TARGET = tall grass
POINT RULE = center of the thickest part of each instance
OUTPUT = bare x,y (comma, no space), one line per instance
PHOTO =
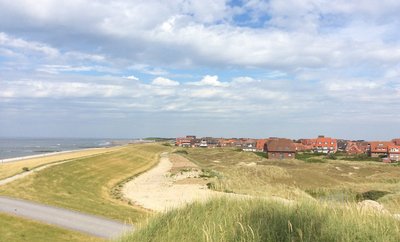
261,220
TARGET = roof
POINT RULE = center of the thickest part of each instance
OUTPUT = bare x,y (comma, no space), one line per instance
280,145
379,146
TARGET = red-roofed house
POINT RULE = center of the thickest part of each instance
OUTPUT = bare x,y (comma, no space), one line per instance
280,149
394,152
325,145
356,148
378,148
260,144
396,141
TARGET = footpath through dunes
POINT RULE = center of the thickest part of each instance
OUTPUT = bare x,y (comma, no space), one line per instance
174,182
86,184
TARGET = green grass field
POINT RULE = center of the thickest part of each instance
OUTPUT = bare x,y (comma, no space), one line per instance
85,184
262,220
22,230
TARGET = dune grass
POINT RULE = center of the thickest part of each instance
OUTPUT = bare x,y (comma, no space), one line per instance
23,230
12,168
337,180
86,184
262,220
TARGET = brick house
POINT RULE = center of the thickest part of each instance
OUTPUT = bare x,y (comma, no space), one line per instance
280,149
356,147
260,144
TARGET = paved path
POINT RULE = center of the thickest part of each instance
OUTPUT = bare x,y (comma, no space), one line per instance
84,223
27,173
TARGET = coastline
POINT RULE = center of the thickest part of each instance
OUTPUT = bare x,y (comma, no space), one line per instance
21,158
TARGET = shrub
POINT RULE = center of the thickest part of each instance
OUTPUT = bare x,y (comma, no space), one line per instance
24,169
371,195
183,152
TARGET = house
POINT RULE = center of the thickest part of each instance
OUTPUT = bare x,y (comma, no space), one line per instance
260,144
278,148
378,148
356,147
188,141
302,147
324,145
341,144
394,152
396,141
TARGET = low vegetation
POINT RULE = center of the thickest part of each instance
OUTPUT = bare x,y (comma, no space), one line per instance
23,230
13,168
262,220
85,184
310,176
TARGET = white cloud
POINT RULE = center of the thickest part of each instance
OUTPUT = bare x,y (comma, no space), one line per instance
132,77
161,81
209,81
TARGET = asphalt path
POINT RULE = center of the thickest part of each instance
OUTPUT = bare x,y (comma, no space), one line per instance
64,218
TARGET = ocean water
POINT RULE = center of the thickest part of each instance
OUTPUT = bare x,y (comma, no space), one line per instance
18,147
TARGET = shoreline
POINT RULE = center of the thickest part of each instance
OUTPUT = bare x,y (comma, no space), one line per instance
21,158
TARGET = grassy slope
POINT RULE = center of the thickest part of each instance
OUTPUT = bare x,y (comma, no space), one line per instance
19,230
296,179
256,220
85,184
12,168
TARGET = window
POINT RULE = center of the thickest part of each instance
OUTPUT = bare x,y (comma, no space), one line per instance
289,154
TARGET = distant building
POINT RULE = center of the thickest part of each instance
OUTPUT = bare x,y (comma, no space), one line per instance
378,148
356,147
280,149
188,141
394,152
325,145
260,144
396,141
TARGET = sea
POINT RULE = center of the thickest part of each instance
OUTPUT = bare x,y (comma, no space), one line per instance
19,147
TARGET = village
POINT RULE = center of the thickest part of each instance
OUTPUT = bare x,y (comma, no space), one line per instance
283,148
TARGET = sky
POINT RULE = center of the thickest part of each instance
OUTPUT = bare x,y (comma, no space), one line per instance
242,68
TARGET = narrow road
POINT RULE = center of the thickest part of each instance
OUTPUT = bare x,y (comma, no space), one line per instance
84,223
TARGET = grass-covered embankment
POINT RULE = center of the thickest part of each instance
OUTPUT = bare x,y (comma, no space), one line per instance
12,168
85,184
262,220
23,230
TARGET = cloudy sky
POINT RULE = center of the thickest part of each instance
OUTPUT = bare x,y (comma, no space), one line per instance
242,68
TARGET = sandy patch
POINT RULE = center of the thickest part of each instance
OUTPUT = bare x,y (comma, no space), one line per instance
158,189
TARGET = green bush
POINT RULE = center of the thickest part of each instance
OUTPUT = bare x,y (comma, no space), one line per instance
314,160
183,152
371,195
